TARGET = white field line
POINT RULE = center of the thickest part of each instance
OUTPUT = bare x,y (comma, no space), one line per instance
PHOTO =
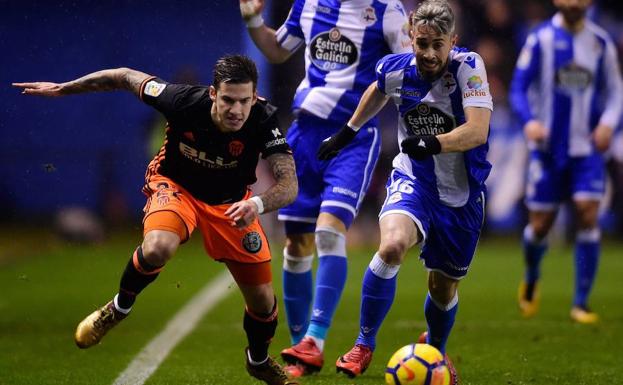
147,361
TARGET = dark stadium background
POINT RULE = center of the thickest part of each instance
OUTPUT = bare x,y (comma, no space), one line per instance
74,167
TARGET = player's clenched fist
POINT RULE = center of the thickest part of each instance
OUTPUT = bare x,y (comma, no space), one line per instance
535,130
250,8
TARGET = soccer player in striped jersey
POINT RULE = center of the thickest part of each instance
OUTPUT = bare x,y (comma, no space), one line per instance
343,41
567,93
436,191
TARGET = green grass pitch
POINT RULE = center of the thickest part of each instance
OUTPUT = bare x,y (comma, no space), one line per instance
47,291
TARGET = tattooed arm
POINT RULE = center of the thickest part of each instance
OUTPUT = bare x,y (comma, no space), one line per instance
280,194
106,80
284,191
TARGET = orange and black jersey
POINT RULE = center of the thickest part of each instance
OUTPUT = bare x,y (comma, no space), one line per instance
215,167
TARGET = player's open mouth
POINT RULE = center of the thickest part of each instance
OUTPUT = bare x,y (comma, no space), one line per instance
429,65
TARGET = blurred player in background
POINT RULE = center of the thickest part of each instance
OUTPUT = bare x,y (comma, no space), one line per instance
567,93
436,191
343,40
213,134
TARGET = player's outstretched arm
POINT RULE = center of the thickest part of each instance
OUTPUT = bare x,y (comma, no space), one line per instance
265,38
280,194
370,104
105,80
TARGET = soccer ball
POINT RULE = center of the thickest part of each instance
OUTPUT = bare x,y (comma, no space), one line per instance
417,364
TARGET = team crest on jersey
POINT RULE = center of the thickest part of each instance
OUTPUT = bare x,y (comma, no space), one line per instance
448,84
427,120
252,242
369,16
235,147
332,50
573,77
153,88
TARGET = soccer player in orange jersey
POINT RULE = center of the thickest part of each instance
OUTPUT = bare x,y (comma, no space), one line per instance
214,133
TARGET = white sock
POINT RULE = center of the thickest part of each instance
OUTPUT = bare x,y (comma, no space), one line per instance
318,341
119,308
255,363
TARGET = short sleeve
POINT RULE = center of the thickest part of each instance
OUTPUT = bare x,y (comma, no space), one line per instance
272,139
168,98
380,74
396,28
290,35
472,78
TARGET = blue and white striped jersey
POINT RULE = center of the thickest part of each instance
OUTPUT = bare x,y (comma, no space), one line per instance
344,40
569,82
433,108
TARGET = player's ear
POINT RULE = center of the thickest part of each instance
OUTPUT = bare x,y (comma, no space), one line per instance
454,39
254,100
213,93
411,33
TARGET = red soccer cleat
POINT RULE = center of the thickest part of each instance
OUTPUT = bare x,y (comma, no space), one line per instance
355,362
422,338
304,358
454,377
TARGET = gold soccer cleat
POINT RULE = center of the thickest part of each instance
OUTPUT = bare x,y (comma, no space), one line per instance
93,328
269,371
583,315
528,307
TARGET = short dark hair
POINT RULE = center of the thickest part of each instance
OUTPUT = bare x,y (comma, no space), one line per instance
234,69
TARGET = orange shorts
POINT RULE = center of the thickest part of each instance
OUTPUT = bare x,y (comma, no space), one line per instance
221,240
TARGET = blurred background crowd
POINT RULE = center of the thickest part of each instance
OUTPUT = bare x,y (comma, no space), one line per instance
78,162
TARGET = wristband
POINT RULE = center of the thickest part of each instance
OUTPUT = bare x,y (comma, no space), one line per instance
255,21
353,127
258,203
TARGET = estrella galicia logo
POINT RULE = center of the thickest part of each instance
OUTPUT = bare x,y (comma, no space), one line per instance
332,51
252,242
427,120
573,77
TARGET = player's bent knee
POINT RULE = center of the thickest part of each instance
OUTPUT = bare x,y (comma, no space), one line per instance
393,251
540,230
330,241
157,250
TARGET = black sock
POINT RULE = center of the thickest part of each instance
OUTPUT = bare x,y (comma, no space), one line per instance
530,291
134,280
260,329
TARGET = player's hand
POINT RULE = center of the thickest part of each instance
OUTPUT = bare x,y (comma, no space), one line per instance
421,147
242,213
41,88
250,8
331,146
602,136
535,131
